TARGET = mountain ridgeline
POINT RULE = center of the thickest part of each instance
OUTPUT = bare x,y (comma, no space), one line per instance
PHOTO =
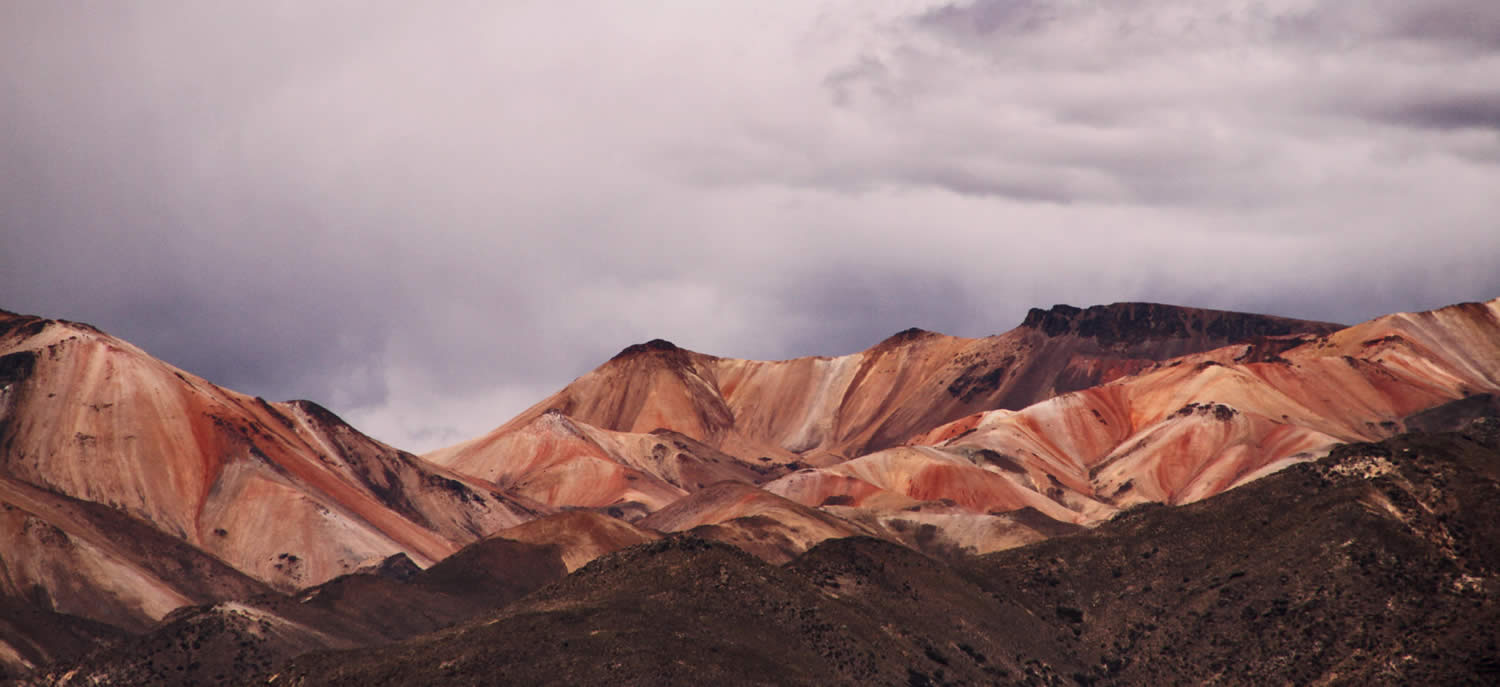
1135,325
1083,499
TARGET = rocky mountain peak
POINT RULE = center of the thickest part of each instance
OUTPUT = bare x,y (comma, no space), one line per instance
1132,323
652,346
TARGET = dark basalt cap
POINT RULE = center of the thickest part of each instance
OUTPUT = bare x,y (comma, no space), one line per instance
1137,322
654,345
905,335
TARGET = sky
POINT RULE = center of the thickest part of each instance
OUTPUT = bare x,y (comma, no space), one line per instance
428,216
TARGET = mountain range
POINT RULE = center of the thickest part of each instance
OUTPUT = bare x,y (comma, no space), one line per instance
931,510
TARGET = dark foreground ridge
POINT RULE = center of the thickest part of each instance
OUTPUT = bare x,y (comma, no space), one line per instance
1377,565
686,611
248,641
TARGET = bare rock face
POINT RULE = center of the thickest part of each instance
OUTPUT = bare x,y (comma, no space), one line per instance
882,432
755,520
145,507
781,415
1198,425
286,492
559,461
1127,326
131,488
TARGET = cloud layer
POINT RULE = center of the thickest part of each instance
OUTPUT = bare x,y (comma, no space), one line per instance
428,218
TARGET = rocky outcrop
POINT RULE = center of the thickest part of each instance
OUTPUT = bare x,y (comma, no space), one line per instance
944,445
1127,325
132,488
1177,432
773,414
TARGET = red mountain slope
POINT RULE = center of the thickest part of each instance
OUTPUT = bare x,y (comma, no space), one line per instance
762,523
1199,425
825,410
132,488
561,461
285,492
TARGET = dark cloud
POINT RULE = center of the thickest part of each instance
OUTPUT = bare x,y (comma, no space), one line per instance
1463,26
1456,111
987,18
429,218
1475,25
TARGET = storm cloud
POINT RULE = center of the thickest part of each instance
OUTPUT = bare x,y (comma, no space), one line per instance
429,217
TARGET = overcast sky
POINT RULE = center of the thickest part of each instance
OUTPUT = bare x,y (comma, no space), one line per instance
428,216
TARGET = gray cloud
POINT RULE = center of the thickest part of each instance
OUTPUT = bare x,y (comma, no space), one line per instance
847,309
1454,25
431,217
1457,111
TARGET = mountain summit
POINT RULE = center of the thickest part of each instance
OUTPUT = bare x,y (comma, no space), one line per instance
143,504
824,410
1125,325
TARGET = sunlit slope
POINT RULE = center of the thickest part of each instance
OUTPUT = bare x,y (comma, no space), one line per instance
558,460
285,492
1201,424
775,415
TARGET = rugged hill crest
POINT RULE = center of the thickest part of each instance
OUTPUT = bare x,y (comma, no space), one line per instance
131,487
821,411
1174,429
942,444
1122,325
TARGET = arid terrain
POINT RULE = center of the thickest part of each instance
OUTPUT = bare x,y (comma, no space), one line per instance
1132,494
